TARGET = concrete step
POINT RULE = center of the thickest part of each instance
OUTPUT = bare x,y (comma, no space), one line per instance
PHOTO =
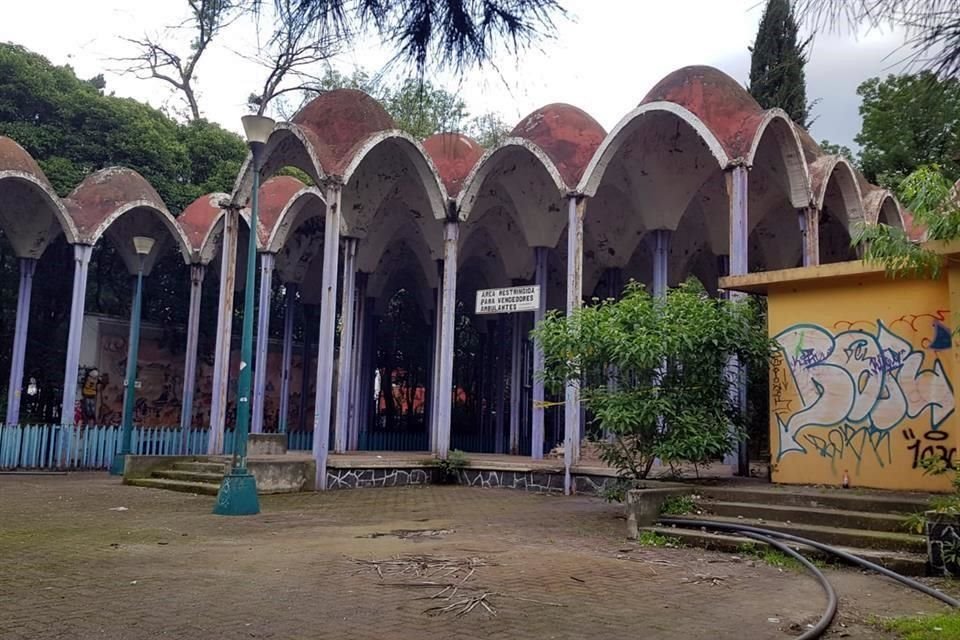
201,467
909,564
203,488
868,520
839,536
190,476
849,499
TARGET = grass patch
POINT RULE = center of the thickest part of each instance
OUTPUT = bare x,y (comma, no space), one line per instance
775,557
654,539
678,506
944,626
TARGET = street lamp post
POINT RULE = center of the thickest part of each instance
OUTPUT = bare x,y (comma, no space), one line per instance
238,491
142,245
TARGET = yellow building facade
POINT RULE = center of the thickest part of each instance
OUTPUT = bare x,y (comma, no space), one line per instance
863,378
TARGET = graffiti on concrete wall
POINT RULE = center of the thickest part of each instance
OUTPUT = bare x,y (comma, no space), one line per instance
863,391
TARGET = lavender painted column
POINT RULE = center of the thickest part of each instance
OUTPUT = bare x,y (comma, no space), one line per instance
737,191
451,234
308,319
537,434
345,358
328,313
224,337
27,268
289,309
359,363
661,260
571,410
500,350
437,340
81,266
516,376
366,401
267,261
197,271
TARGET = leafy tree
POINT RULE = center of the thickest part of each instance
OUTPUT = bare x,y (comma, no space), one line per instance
934,202
932,26
839,150
909,121
669,361
777,60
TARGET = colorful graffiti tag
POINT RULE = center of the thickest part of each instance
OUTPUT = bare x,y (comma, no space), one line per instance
841,394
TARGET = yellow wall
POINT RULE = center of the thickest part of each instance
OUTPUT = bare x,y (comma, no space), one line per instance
862,381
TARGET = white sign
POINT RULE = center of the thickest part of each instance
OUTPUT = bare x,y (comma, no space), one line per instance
509,300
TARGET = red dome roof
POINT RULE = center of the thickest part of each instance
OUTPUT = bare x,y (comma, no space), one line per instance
454,155
199,218
275,194
102,193
340,121
13,157
721,103
568,135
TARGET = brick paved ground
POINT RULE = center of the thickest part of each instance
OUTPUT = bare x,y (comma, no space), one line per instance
70,567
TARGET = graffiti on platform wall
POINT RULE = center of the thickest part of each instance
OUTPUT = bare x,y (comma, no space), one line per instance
844,394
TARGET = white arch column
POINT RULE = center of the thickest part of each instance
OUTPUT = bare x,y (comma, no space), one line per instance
571,411
224,337
359,363
737,191
451,235
345,357
78,301
28,267
267,262
197,272
808,219
328,313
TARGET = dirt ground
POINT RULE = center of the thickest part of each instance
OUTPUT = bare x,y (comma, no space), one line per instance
73,564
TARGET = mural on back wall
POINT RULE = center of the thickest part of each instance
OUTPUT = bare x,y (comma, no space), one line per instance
160,378
864,394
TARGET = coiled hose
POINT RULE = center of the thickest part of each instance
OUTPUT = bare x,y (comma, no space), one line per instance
773,538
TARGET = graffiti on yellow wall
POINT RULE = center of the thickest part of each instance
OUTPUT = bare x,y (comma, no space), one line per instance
863,393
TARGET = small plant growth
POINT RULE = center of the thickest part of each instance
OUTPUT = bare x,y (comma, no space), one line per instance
448,470
653,539
940,522
657,373
944,626
678,506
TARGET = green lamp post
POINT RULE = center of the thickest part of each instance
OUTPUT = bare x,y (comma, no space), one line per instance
142,245
238,491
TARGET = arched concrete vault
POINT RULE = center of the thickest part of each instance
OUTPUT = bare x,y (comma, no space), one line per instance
31,214
400,268
394,225
119,203
503,232
837,197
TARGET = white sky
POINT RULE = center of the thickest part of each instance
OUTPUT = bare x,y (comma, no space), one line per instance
604,60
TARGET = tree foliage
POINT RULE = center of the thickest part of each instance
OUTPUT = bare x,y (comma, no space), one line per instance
438,33
656,372
932,26
935,204
777,61
909,121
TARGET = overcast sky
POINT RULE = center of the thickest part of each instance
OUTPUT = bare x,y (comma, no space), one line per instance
603,60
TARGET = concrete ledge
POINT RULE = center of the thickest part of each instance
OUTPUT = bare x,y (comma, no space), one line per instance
643,505
143,466
267,444
275,475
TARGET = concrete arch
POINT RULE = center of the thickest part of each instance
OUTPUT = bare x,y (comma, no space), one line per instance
289,145
828,169
33,235
797,176
398,229
305,204
610,147
500,225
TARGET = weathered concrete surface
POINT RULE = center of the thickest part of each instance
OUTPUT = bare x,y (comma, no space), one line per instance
276,475
643,505
267,444
144,466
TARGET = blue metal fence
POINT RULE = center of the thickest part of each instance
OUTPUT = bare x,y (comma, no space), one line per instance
92,447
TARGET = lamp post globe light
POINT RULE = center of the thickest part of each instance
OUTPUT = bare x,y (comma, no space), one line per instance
143,246
238,491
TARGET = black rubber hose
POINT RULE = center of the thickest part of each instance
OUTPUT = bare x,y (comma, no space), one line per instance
828,614
849,557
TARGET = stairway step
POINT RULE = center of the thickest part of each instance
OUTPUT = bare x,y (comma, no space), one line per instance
850,499
824,516
201,467
190,476
908,564
839,536
203,488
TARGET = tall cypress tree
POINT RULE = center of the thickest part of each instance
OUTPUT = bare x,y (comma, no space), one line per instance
777,78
